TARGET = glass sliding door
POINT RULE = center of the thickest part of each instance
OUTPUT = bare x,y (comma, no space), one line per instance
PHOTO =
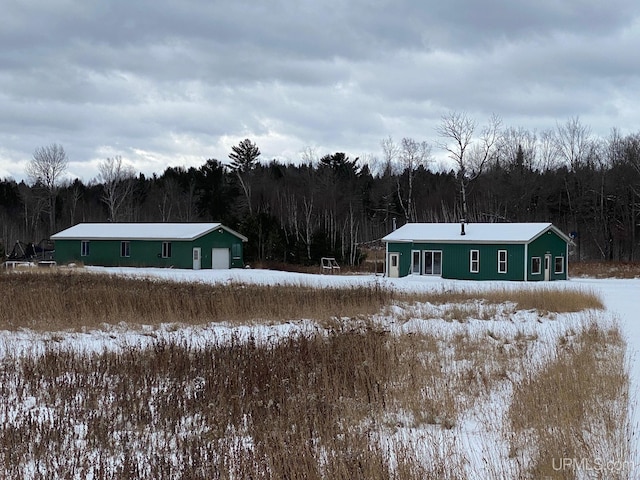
415,262
437,263
432,261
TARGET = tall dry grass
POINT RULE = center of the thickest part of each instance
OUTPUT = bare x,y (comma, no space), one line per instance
320,405
310,406
602,269
62,300
571,418
307,407
70,300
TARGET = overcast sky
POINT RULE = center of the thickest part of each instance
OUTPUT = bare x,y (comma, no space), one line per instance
173,83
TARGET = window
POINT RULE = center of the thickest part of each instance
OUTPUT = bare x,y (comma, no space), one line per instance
432,261
415,262
236,250
559,265
394,260
502,261
124,249
84,248
474,261
166,249
536,266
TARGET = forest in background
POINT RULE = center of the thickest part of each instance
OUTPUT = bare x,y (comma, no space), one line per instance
333,205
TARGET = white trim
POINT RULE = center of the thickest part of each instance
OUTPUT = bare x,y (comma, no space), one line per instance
539,266
471,260
196,258
420,269
128,248
424,263
386,259
84,248
506,265
547,267
395,270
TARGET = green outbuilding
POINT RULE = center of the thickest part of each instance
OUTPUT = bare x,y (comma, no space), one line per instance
478,251
178,245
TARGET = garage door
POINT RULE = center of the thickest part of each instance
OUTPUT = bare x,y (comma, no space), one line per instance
220,258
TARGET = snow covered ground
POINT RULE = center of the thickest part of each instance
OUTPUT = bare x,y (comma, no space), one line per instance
621,297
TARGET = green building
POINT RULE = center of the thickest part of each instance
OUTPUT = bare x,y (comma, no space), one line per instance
177,245
478,251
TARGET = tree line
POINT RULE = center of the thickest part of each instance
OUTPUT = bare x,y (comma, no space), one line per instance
333,205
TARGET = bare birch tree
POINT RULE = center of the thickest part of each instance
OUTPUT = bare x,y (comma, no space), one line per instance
45,169
117,180
573,142
412,155
468,153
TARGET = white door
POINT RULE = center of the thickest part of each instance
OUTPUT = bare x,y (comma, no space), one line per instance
220,258
394,265
196,258
547,267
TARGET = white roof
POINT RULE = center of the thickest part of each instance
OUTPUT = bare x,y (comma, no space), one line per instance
474,232
140,231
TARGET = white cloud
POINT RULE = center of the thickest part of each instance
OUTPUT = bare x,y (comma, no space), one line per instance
175,83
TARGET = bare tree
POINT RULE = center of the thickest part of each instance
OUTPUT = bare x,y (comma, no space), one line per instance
46,169
469,154
547,151
390,152
309,156
517,148
573,142
117,182
412,155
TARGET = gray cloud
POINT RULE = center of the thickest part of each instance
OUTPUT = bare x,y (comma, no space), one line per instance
174,83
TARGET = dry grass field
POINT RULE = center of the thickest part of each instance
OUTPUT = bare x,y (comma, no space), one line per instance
364,396
598,269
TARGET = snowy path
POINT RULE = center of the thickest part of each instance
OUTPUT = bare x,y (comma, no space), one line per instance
622,299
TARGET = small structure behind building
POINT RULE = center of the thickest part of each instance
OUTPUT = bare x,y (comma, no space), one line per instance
329,265
31,255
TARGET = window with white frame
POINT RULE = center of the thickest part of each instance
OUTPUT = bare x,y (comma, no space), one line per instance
415,262
432,262
124,249
536,266
474,261
558,265
502,261
166,249
84,248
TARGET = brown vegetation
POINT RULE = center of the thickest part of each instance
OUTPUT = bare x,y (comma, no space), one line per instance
62,300
345,402
576,407
597,269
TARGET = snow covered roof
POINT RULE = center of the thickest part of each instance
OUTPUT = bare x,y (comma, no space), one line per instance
140,231
474,232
